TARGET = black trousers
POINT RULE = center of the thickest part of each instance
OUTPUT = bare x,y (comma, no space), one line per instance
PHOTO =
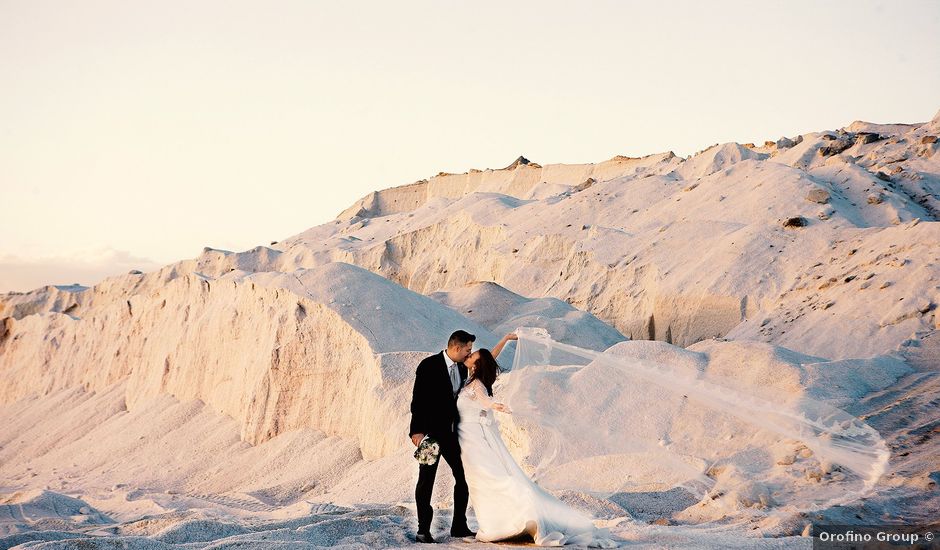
450,451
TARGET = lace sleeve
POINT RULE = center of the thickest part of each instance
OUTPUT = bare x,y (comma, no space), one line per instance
478,393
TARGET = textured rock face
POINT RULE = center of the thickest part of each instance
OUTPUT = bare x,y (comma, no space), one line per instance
272,359
320,332
522,180
657,247
682,250
47,298
331,348
502,311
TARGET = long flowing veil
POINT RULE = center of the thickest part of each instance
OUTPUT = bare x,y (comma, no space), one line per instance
607,423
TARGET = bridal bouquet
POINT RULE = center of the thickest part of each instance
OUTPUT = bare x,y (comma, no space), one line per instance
428,451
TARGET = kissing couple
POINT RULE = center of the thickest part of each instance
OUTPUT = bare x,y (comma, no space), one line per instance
453,416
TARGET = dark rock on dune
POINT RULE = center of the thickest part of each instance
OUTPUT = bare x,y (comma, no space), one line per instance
584,185
785,143
834,148
797,221
868,137
518,162
820,196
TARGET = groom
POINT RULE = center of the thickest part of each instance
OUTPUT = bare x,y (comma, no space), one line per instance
434,413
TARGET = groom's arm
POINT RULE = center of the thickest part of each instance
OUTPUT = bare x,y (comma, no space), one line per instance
419,401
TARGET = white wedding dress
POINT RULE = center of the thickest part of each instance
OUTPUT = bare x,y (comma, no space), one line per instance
506,502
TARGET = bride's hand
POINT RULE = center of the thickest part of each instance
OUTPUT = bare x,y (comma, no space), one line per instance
502,408
511,336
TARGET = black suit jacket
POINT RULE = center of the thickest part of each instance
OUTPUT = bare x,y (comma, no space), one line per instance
433,405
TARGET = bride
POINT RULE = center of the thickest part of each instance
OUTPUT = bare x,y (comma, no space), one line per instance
507,503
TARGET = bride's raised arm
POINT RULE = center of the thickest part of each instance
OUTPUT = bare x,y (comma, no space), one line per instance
502,343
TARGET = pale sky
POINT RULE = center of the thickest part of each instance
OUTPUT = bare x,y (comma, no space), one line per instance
132,134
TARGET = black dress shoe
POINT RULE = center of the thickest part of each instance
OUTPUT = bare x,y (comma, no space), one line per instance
424,537
465,532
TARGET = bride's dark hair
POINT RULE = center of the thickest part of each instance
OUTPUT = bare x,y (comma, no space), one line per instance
486,370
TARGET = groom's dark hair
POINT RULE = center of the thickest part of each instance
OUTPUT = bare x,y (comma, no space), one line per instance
460,337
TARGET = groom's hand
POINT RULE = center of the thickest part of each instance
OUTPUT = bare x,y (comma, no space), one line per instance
416,439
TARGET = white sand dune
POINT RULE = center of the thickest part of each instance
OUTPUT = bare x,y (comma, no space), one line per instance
261,397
